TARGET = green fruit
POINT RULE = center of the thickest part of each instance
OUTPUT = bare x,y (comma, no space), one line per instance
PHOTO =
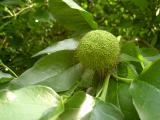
98,49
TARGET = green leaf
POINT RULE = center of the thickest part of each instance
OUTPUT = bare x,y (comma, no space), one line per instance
133,54
148,52
65,80
68,44
130,49
146,99
150,55
151,74
125,58
71,15
53,114
106,111
83,107
153,58
78,107
29,103
127,70
132,73
118,94
55,70
112,95
125,102
5,77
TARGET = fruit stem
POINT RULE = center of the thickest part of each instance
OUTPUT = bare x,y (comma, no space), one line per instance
104,88
126,80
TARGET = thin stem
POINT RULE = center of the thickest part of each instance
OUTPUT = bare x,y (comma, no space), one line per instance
11,71
22,10
99,93
7,10
105,88
19,12
127,80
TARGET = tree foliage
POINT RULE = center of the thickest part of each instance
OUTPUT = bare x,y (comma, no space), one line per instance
42,79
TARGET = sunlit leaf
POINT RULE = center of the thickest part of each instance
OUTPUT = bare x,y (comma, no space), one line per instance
68,44
83,107
29,103
106,111
153,58
71,15
78,107
64,80
5,77
56,70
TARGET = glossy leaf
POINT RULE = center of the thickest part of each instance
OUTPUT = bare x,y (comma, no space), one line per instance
118,94
52,114
78,107
55,70
153,58
148,52
106,111
150,55
83,107
130,49
125,102
127,70
125,58
132,73
112,95
71,15
5,77
68,44
151,74
64,80
146,100
21,104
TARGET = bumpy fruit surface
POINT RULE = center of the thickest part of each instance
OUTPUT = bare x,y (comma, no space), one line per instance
98,49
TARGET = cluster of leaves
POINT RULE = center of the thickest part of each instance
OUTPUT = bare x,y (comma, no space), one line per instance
58,87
